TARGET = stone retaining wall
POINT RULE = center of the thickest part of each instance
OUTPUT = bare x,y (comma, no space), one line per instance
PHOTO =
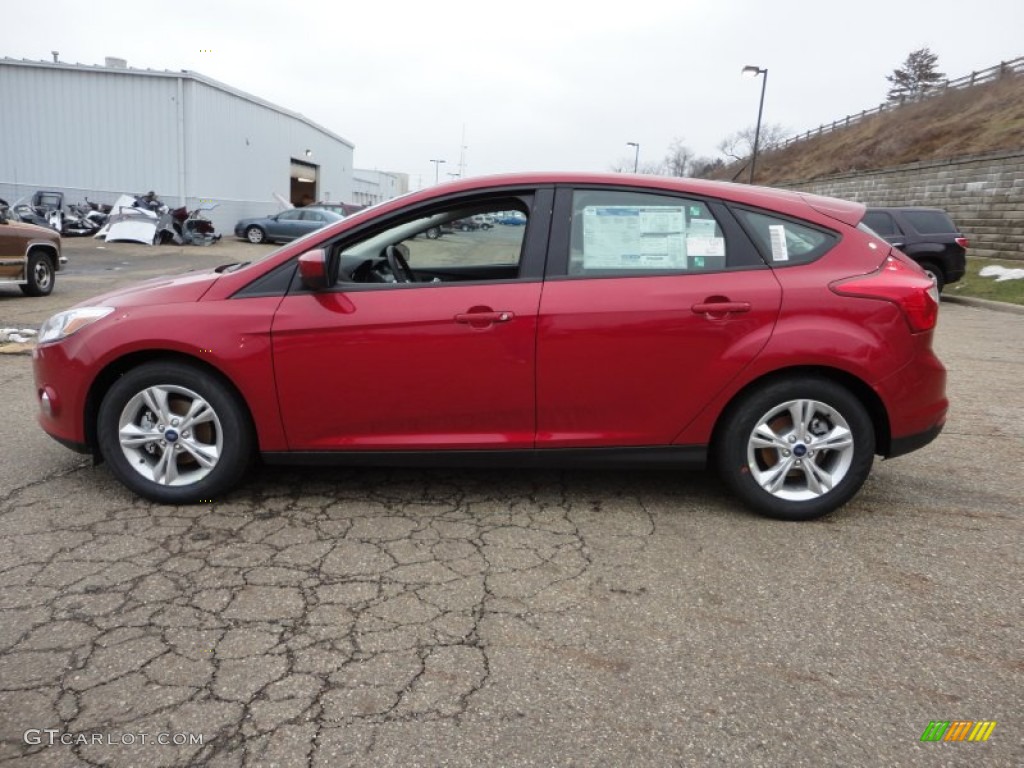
983,193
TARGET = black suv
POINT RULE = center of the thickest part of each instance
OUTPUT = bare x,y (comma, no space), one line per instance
927,235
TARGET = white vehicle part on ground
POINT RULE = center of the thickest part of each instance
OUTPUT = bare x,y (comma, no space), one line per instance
137,228
123,204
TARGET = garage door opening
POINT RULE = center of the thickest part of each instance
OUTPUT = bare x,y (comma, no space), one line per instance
304,182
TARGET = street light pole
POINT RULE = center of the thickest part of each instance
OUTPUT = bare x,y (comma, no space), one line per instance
752,71
437,165
636,154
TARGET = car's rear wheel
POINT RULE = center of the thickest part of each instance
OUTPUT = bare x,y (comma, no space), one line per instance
174,434
39,275
796,449
937,275
255,235
433,233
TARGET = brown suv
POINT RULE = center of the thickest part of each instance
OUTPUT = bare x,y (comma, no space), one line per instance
29,255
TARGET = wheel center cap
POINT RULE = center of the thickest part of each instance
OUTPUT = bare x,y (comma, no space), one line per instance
170,435
799,450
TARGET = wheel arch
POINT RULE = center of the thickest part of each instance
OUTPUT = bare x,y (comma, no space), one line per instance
47,249
861,390
118,367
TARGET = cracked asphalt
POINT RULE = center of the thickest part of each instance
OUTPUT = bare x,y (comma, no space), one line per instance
465,618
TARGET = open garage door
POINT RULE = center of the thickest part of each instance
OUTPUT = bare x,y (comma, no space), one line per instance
304,183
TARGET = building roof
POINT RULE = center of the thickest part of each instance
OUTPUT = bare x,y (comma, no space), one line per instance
185,74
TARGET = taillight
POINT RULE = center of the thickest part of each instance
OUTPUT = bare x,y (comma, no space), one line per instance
963,242
900,284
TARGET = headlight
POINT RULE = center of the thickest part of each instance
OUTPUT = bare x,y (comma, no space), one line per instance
63,324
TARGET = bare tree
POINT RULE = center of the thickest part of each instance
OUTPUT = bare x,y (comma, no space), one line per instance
917,75
625,165
702,167
678,160
740,145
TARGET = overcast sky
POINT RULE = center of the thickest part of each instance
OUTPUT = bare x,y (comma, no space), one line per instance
535,85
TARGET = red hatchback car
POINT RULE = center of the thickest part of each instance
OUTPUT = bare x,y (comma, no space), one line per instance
633,322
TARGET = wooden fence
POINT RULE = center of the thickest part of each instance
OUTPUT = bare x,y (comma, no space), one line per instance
1003,69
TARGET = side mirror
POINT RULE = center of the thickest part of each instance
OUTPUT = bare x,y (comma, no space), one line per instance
317,269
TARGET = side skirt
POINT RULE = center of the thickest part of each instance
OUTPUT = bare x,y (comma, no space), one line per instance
660,457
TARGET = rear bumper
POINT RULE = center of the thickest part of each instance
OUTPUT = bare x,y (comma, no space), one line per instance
915,400
908,443
956,268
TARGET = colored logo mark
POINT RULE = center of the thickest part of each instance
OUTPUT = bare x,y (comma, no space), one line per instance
958,730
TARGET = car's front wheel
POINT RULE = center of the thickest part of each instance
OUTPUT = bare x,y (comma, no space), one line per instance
796,449
174,434
39,275
255,235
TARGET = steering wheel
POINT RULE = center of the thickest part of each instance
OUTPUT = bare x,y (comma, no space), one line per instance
399,266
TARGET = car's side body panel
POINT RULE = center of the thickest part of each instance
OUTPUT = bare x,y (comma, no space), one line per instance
630,361
383,369
234,341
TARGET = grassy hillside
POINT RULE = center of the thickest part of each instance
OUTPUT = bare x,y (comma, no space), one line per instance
967,121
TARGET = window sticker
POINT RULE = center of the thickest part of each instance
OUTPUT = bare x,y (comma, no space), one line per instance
702,245
637,237
780,251
702,228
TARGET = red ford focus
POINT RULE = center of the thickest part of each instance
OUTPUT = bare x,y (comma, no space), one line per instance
632,322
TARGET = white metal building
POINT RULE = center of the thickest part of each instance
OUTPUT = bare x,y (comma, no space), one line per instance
373,186
100,131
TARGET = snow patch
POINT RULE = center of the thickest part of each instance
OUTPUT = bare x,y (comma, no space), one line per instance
1001,273
17,335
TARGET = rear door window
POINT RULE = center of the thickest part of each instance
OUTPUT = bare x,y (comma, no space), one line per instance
930,222
881,223
625,233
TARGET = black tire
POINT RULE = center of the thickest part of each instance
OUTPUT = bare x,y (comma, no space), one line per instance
433,233
935,273
230,429
255,235
40,275
833,411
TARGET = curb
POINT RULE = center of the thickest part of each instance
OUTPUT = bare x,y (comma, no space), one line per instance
16,349
995,306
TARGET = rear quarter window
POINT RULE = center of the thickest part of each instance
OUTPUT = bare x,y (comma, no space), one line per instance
930,222
784,242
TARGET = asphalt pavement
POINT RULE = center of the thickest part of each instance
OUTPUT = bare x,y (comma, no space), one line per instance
325,617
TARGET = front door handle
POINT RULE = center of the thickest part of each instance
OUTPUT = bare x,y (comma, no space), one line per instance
712,308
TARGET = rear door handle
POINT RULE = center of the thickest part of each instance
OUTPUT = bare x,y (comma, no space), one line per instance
483,318
720,307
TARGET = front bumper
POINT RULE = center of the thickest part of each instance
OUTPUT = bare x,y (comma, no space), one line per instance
60,375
